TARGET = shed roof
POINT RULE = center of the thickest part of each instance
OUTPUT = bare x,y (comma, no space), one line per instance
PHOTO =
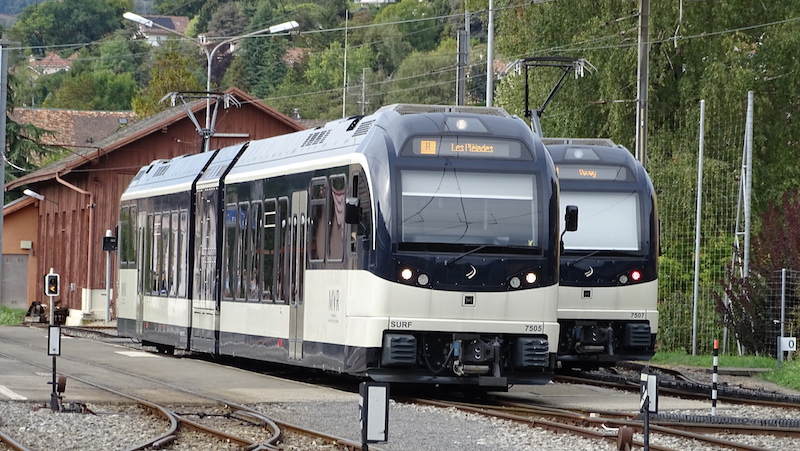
133,132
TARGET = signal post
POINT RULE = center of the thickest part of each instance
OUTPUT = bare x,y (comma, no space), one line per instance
52,285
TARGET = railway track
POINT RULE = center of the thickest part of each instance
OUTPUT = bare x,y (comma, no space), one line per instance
202,422
610,430
668,431
674,383
625,431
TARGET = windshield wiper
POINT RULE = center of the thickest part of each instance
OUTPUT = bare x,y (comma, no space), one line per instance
450,262
583,257
605,251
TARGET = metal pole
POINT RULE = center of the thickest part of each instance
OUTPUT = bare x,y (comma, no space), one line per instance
643,74
461,66
54,393
52,321
748,145
208,132
783,315
108,281
490,56
3,108
344,72
363,90
697,225
209,55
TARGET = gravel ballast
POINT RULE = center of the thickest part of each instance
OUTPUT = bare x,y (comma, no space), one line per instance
411,428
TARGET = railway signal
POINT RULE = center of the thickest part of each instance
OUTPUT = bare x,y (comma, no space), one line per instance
52,282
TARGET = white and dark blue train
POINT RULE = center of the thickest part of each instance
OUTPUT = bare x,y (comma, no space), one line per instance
608,295
418,244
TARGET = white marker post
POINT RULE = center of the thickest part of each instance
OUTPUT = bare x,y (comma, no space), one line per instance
648,402
785,344
374,412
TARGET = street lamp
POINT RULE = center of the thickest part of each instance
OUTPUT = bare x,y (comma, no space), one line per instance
280,28
34,194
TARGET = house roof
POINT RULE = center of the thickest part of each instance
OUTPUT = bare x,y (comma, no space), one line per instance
74,128
52,61
135,131
17,204
176,23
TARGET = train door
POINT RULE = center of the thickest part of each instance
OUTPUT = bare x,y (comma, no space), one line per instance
143,268
205,298
297,266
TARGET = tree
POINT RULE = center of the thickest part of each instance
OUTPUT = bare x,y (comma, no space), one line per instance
178,7
263,56
426,77
228,21
423,35
750,305
122,55
101,90
171,73
24,148
49,24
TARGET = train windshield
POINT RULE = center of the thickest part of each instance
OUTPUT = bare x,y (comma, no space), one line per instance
457,207
600,213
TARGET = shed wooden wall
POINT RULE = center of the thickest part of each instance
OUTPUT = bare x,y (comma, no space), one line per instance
69,226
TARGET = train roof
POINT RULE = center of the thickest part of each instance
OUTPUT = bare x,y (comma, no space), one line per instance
219,166
338,140
167,176
589,150
341,140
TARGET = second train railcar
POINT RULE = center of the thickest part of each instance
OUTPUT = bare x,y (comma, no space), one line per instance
418,244
608,291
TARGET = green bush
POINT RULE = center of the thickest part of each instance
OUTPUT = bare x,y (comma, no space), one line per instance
11,317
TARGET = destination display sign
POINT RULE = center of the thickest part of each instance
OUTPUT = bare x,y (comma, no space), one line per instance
593,172
467,147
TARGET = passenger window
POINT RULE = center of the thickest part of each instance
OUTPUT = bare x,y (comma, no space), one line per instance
336,224
317,219
269,255
284,228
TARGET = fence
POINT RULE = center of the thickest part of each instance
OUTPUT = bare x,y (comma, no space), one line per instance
672,164
782,291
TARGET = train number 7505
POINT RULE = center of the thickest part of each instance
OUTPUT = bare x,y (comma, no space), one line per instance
538,328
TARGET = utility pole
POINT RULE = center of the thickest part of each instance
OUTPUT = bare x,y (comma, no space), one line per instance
344,70
642,76
490,56
363,90
3,108
461,66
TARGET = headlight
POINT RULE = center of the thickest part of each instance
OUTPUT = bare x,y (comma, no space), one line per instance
515,282
423,279
406,274
530,278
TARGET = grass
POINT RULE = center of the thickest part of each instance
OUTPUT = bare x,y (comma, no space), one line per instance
707,361
788,375
11,317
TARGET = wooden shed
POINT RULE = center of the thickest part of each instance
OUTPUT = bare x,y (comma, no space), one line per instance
78,196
